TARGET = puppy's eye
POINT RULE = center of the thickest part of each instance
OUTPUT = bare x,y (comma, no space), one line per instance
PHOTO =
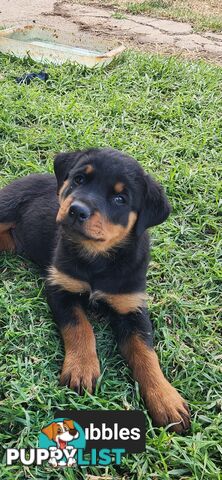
79,179
119,200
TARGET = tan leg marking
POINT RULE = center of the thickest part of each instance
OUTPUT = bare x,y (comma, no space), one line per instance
65,282
7,243
163,402
81,365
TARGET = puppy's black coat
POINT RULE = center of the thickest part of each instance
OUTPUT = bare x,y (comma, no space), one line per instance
86,228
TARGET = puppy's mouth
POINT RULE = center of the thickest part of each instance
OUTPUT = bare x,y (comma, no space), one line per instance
88,236
89,230
83,234
62,444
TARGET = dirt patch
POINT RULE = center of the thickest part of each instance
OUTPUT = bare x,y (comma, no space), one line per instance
137,31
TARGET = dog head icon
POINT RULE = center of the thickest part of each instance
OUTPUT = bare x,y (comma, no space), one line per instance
61,432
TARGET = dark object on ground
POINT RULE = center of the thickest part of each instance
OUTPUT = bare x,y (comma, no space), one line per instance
28,77
91,241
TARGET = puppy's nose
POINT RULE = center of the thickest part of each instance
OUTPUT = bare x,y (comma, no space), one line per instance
80,211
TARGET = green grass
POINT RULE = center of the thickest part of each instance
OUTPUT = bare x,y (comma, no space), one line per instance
167,114
203,16
180,11
118,15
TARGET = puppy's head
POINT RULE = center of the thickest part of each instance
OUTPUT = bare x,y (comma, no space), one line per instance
104,195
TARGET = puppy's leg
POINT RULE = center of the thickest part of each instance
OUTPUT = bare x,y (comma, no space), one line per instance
7,243
81,365
8,212
164,403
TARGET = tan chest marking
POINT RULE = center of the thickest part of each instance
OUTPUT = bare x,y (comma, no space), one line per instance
123,303
66,282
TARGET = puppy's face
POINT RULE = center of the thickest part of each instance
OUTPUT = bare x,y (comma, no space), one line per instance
103,196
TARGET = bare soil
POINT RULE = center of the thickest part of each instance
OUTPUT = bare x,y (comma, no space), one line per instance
138,31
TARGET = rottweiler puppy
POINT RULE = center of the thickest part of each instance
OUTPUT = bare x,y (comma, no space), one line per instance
86,227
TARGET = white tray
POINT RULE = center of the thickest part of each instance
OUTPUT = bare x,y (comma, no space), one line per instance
45,44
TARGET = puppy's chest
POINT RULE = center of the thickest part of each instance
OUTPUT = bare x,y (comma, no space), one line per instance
92,285
101,288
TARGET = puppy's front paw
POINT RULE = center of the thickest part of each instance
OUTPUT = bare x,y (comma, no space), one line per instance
53,461
80,373
166,406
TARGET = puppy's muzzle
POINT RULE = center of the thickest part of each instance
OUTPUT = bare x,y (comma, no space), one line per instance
79,211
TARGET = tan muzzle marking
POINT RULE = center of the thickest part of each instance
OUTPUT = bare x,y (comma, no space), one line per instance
64,208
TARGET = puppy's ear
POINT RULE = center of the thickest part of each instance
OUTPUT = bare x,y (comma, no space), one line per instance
72,429
155,206
49,430
63,163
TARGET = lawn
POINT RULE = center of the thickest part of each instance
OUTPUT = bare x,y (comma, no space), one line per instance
167,114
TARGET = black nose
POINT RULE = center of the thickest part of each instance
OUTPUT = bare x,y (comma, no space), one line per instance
80,211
